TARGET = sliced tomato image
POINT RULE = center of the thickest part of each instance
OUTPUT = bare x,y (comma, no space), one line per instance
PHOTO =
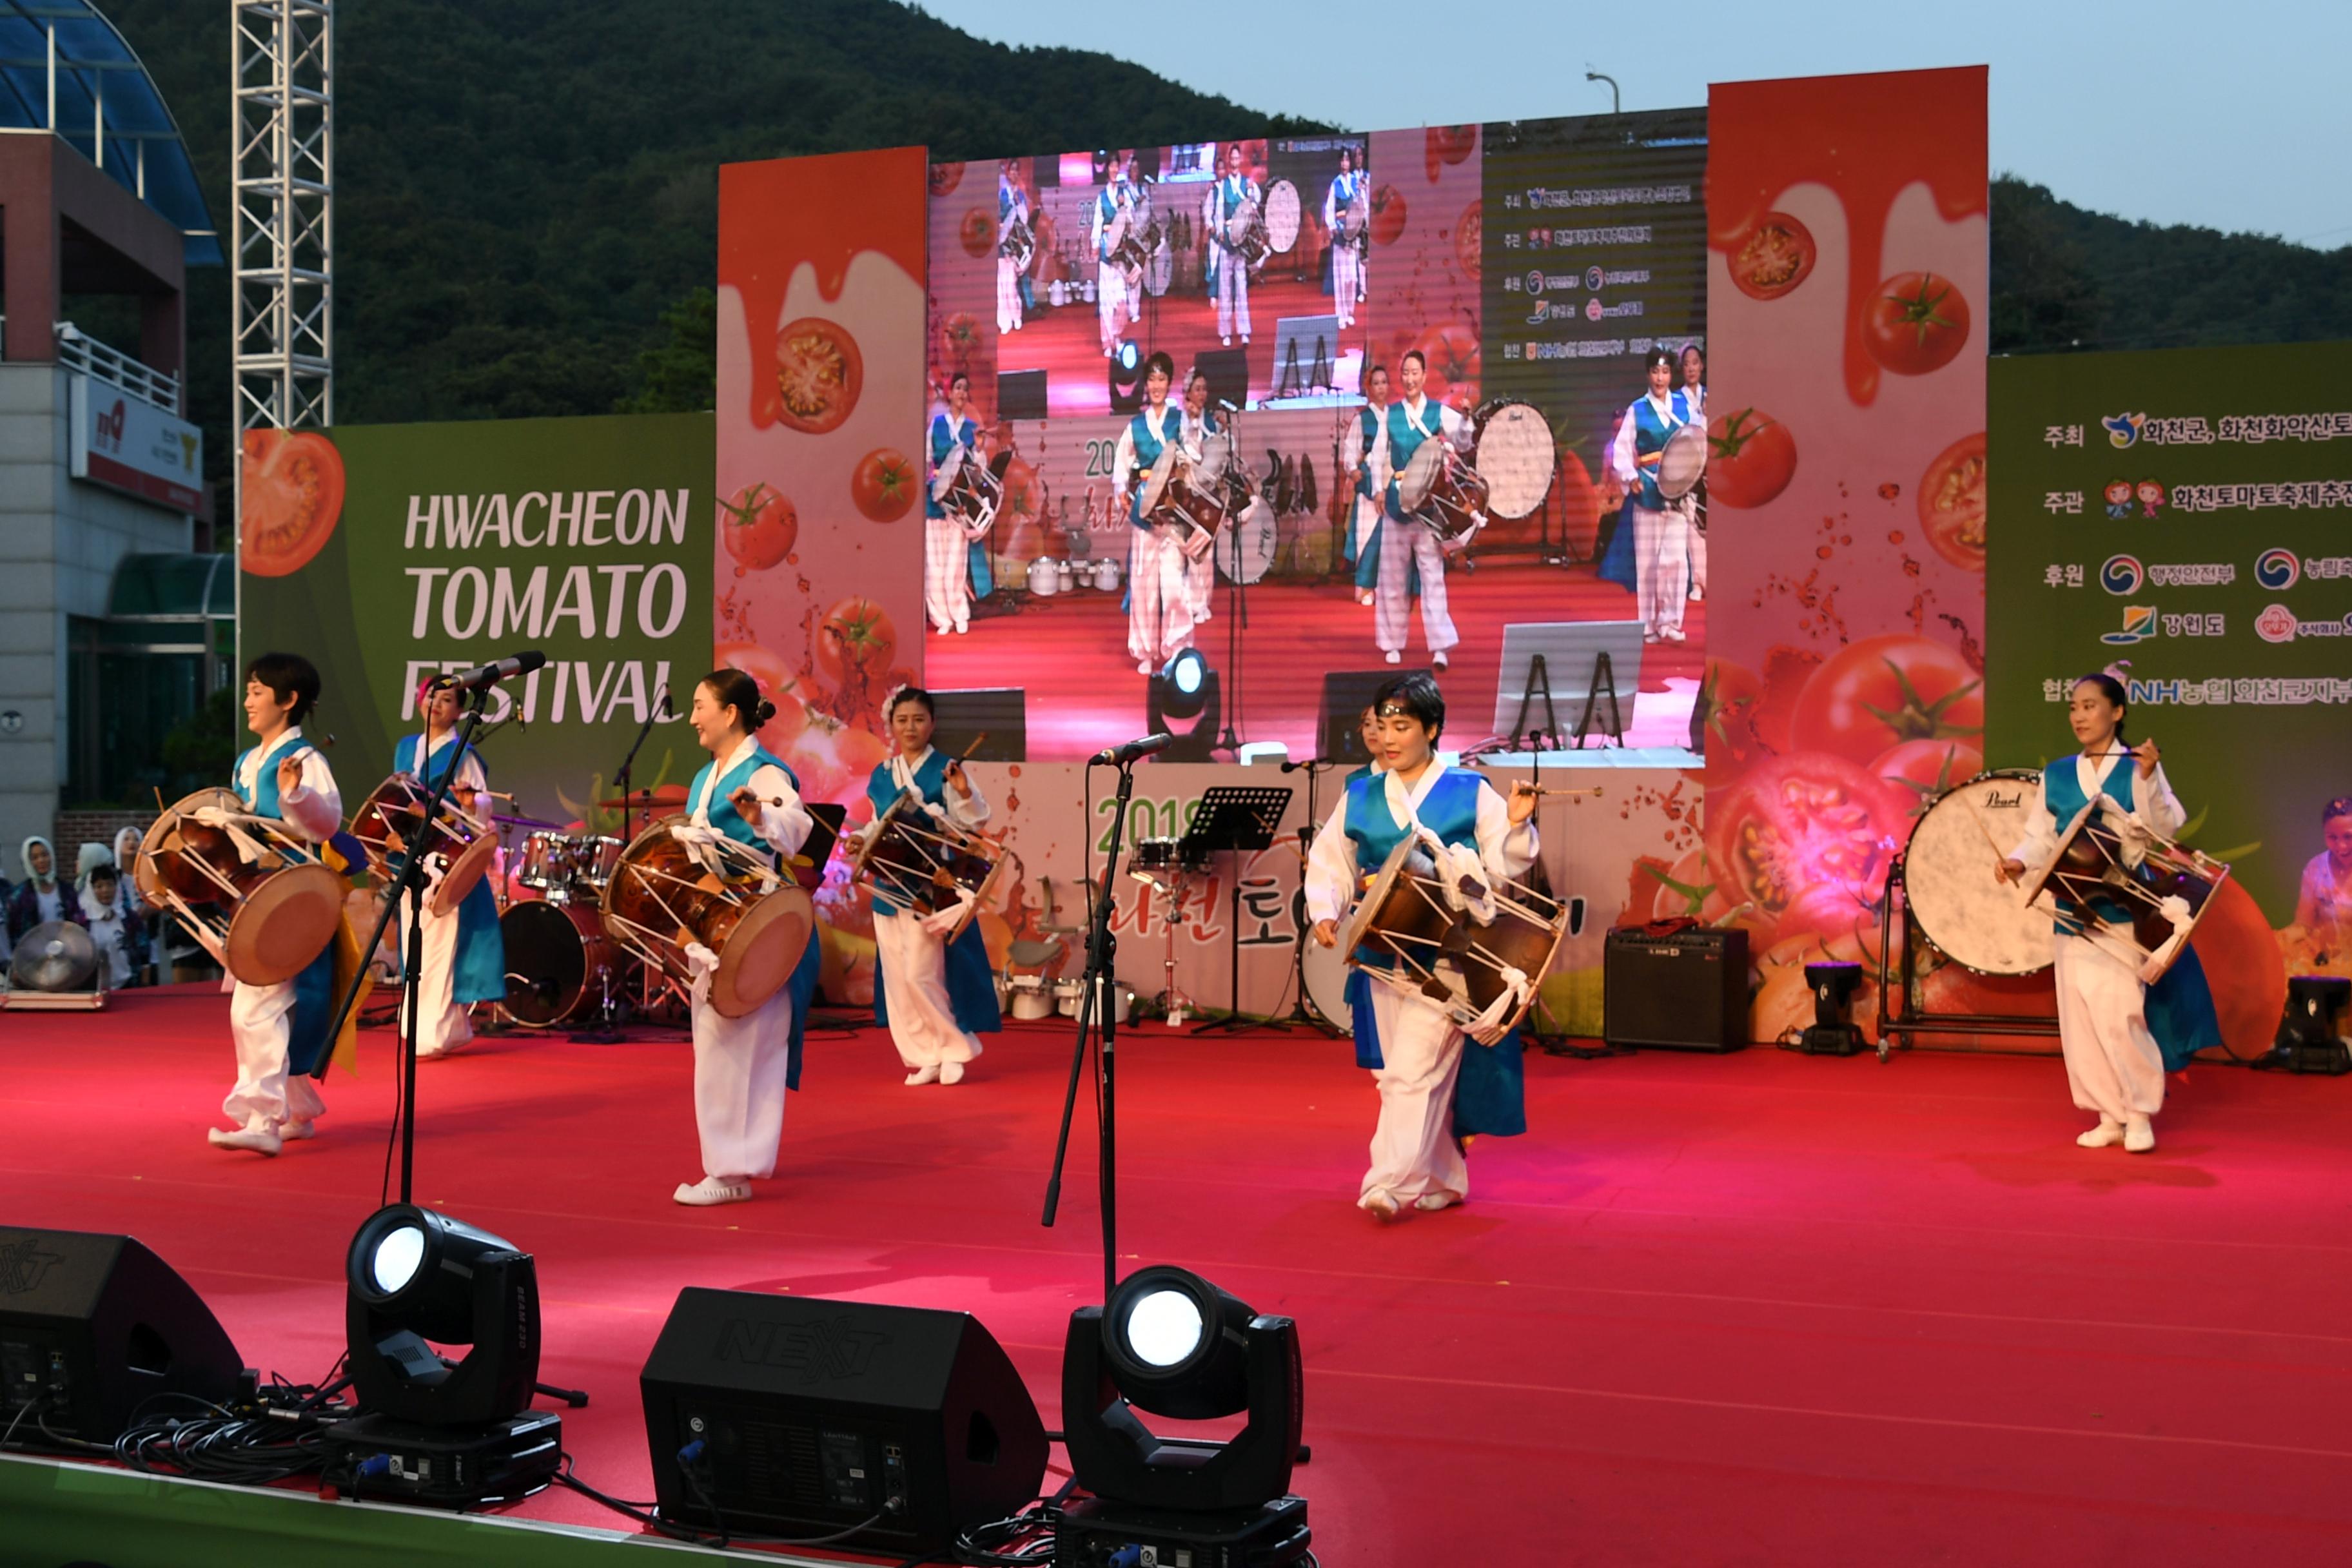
1451,144
819,373
1881,692
945,177
293,485
885,484
1917,324
1777,256
1469,238
1799,822
759,526
1952,502
1751,458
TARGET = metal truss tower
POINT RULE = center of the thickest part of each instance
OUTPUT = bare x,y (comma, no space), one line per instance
282,229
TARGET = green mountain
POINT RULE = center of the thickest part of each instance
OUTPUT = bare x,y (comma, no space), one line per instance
527,191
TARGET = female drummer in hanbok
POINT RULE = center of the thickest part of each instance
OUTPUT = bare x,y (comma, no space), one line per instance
1411,558
936,997
1347,254
947,555
465,956
1200,424
280,1031
2118,1035
1661,528
1431,1089
1363,540
2323,904
1159,621
743,1067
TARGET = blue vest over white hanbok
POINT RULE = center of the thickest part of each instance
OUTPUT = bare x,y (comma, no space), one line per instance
1405,437
1490,1094
1650,435
2180,1005
314,987
1149,444
479,969
725,818
972,981
945,437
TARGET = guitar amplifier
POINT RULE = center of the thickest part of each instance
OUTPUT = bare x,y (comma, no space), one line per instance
1685,990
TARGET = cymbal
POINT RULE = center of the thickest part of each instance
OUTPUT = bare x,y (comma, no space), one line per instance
57,956
505,820
663,794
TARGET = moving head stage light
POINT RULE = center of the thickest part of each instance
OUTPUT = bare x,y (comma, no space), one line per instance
1185,687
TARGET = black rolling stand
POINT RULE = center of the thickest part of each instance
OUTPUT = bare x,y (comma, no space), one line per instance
1234,819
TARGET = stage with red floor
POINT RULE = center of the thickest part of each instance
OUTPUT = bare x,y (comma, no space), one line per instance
1758,1309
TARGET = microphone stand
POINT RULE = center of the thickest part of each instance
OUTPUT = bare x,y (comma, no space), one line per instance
1299,1012
411,883
1096,1016
623,778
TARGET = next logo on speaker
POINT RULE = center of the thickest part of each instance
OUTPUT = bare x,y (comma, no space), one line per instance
816,1351
23,1263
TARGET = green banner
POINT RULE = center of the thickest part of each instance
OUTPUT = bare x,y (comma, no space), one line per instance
384,554
2187,512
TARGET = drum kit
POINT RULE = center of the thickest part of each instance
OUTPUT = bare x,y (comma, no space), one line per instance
1160,865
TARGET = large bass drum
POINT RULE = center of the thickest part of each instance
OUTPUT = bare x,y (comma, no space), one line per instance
1516,455
1971,917
560,963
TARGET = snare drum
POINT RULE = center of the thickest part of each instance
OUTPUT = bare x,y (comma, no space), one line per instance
566,866
560,963
665,895
246,889
1403,932
391,822
1152,861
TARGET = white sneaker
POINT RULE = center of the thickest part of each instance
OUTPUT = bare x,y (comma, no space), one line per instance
1227,342
1430,1203
295,1131
710,1191
1437,662
922,1076
2105,1135
964,629
255,1139
1363,598
1672,634
950,1073
1380,1204
2138,1136
1392,659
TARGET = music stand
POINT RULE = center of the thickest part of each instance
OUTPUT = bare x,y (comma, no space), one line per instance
1233,819
1545,663
1304,350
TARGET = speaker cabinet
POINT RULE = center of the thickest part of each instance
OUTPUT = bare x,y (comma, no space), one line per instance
1339,729
898,1425
1020,394
1228,371
1686,990
92,1327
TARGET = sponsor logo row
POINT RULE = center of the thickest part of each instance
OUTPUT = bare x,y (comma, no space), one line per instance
2124,431
2274,570
2275,623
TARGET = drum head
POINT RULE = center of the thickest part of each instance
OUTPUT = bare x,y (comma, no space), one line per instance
464,873
163,836
1973,919
554,953
1419,477
1324,972
1682,462
1155,483
1240,221
1516,458
950,467
287,923
1245,550
1282,216
762,951
55,956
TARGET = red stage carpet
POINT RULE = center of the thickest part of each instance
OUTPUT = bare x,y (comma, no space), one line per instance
1069,651
1757,1309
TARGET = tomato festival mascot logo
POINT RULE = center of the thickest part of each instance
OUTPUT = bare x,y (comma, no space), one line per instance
2122,576
2139,625
2118,494
2277,570
2276,624
2123,429
2151,497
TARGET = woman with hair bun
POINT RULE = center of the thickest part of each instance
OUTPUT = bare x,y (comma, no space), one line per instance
2118,1035
743,1067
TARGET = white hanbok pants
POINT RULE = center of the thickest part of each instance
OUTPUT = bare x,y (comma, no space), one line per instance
267,1097
2113,1064
1233,298
1201,584
1697,539
1413,1152
1110,301
1402,547
1345,272
1008,295
915,989
946,574
442,1021
739,1086
1160,597
1661,566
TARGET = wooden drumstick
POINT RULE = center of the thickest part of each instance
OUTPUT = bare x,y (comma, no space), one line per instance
1552,789
1999,858
976,742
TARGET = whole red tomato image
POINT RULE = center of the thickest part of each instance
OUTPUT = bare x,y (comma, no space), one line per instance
855,641
1881,692
1388,215
976,231
1730,698
1451,144
959,339
774,678
2240,955
1777,256
946,178
293,498
1453,361
1751,458
1925,769
819,373
1952,502
1917,324
759,526
1469,238
1786,671
885,485
1797,822
1024,493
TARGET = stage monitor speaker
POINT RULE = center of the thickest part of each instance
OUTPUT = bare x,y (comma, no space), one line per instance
1228,373
982,724
897,1426
1339,735
1686,990
93,1326
1020,394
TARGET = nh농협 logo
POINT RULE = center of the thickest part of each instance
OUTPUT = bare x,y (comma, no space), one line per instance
2122,574
2277,570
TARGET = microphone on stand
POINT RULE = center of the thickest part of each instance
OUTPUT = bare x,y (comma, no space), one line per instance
1119,756
1227,406
491,674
